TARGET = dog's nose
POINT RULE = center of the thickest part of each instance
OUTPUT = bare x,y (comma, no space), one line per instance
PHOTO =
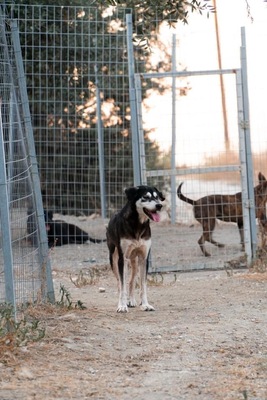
158,206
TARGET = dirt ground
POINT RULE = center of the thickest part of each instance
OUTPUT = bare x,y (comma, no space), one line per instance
205,340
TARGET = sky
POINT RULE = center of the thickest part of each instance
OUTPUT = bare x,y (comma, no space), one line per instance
199,113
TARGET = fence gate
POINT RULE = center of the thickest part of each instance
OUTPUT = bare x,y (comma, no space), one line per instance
208,163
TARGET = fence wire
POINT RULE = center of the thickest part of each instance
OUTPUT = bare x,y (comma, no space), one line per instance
23,261
76,67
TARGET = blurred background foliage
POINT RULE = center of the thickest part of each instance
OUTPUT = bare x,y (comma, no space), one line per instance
64,46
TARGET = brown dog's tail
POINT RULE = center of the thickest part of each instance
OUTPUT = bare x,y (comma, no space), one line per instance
182,197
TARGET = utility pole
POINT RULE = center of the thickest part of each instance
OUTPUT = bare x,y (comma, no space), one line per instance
225,119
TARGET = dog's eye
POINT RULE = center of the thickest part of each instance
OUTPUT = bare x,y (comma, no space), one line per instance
145,198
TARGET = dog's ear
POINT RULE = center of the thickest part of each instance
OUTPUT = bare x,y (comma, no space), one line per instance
131,192
261,177
162,198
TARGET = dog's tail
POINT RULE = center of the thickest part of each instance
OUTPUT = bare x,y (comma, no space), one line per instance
182,197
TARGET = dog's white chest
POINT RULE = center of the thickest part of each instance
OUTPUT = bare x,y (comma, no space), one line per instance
134,248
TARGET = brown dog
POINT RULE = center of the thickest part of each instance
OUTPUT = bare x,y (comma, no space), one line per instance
226,208
262,218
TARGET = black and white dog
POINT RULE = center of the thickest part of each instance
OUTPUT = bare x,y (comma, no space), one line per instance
129,242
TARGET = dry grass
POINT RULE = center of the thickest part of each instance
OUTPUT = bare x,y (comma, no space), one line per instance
260,264
89,277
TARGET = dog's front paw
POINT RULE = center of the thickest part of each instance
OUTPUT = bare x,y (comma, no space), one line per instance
122,308
132,303
147,307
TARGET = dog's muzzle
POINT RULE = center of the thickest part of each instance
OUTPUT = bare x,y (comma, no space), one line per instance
154,214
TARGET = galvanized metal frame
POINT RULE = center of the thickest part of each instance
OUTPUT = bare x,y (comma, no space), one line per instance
45,265
244,129
26,269
245,167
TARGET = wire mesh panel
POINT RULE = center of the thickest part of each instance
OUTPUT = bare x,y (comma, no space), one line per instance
24,263
70,53
204,164
186,121
76,64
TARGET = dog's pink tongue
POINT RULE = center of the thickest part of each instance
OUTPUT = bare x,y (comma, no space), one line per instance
156,217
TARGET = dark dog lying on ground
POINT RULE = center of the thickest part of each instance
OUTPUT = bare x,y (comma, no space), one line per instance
226,208
60,232
129,242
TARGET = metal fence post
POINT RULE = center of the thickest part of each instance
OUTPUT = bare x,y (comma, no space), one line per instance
101,156
5,225
132,94
247,142
173,144
44,254
141,136
243,167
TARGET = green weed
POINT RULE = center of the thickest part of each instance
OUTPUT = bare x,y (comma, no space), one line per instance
66,300
19,333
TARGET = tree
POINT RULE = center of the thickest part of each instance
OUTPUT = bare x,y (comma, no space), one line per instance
171,11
